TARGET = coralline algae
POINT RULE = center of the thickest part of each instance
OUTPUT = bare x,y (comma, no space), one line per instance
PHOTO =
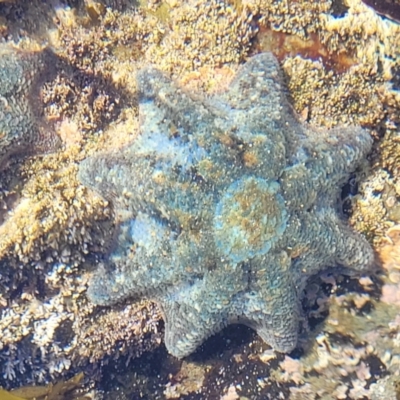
228,205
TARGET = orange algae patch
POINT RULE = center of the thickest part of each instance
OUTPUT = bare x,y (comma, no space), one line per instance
284,45
389,253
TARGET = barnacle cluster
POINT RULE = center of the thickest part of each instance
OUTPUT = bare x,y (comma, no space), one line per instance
301,18
325,98
212,33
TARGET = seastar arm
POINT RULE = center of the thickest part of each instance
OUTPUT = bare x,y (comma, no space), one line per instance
106,288
195,311
159,92
258,85
256,106
149,257
98,174
116,282
138,265
322,163
271,305
318,238
124,178
186,329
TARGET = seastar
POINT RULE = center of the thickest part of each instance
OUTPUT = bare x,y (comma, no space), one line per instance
228,204
22,128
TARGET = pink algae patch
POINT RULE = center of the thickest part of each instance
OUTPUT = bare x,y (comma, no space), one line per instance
389,255
391,294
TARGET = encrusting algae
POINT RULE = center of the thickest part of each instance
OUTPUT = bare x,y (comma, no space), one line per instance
211,33
62,390
54,232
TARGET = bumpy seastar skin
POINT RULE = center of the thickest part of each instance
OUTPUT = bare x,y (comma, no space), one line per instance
245,201
22,131
241,163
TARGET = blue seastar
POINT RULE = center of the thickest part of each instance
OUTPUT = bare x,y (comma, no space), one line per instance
229,205
22,128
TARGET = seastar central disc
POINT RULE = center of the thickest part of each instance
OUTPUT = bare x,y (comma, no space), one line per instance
249,218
